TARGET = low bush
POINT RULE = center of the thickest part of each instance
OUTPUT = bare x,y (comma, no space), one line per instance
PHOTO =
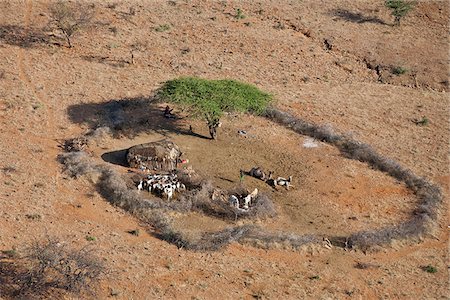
77,164
399,8
70,18
49,267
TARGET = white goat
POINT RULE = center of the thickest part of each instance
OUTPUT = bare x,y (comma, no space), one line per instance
284,182
234,201
140,185
249,198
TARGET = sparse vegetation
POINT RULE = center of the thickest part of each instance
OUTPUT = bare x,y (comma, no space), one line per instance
134,232
9,253
136,47
399,8
70,18
399,70
47,268
112,5
9,169
239,14
429,269
90,238
422,122
211,98
33,216
162,28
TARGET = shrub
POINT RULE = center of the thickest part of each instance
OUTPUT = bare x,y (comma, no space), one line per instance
162,28
91,238
77,164
429,269
49,267
134,232
399,8
69,18
239,14
422,122
399,70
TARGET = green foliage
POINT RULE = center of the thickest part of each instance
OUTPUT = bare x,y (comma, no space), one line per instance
239,14
210,98
9,253
422,122
399,70
162,28
399,8
430,269
90,238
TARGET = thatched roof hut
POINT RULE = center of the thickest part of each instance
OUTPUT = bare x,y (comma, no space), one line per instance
160,155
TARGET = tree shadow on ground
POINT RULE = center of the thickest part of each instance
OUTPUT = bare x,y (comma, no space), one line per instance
129,117
355,17
117,63
23,37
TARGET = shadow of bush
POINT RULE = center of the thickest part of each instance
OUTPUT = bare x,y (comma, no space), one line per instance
355,17
23,37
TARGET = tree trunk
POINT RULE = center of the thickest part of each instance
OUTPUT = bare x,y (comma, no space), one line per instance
67,39
213,131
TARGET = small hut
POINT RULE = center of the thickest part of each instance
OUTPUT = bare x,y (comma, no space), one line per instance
160,155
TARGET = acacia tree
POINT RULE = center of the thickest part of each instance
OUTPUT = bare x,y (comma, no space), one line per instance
69,18
209,99
399,8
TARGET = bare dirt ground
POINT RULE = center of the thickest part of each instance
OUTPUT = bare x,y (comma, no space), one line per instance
49,92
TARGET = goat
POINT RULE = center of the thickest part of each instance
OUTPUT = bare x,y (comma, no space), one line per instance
257,172
270,181
168,191
284,182
248,199
234,201
140,186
